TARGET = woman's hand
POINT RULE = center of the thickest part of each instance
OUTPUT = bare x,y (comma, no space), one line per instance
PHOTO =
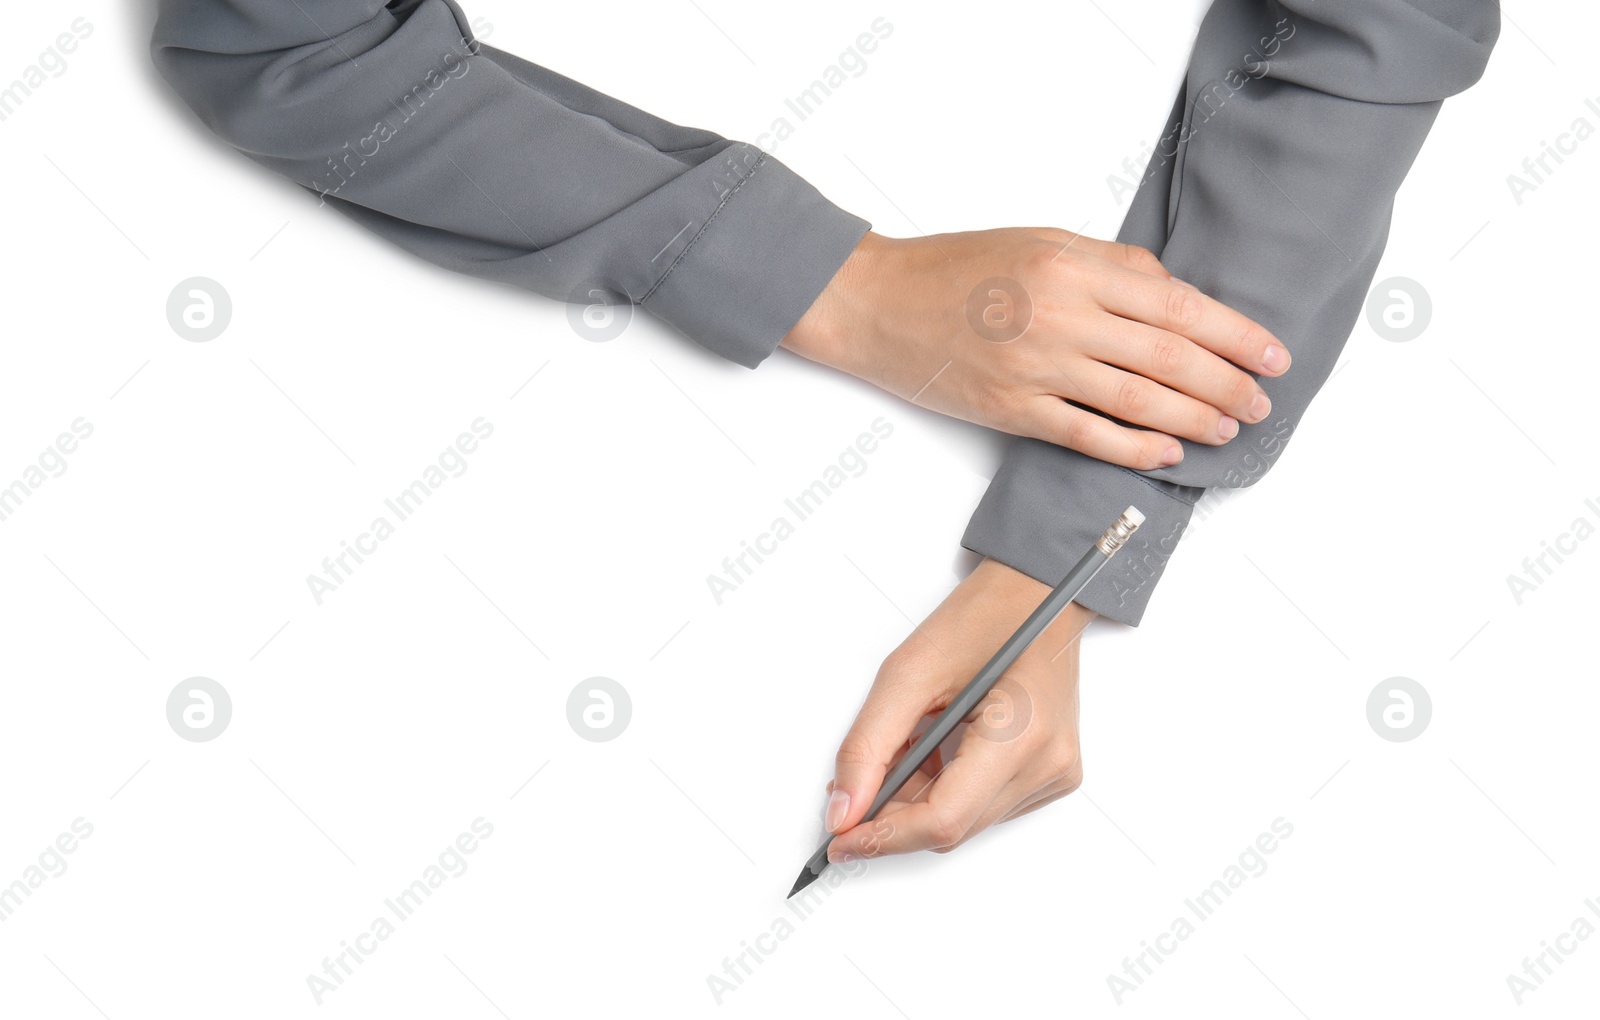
1019,751
1004,327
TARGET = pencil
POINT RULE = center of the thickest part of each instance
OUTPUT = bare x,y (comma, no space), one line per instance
979,687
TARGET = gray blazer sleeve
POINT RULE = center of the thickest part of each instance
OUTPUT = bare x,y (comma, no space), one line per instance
1271,190
481,162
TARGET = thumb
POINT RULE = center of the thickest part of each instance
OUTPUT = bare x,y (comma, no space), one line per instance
892,710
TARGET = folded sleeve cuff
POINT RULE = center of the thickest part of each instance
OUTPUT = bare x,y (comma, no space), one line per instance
759,261
1043,511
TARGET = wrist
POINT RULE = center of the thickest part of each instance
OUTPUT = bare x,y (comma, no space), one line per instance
1004,585
1008,596
839,320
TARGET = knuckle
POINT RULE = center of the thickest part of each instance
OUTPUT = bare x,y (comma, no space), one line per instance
1060,261
945,831
1166,353
1142,258
1064,764
1079,431
1042,260
1148,459
854,751
1252,342
1243,390
1007,402
1183,307
1132,397
1072,781
908,664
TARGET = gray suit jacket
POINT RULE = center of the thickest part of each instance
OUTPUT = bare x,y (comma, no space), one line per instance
1271,190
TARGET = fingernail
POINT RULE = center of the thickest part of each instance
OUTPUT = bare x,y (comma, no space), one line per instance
838,804
1228,427
1260,407
1172,455
1276,359
839,857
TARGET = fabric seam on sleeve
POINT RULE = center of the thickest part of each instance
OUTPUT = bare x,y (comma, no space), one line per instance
707,226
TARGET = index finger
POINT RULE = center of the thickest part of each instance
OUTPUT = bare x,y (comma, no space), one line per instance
954,802
1181,308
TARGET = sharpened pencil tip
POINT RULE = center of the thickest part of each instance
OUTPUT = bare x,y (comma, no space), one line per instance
807,876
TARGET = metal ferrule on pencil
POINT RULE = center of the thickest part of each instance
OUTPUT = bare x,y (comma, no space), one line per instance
1120,531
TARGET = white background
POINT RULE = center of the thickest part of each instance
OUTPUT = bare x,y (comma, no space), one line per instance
369,731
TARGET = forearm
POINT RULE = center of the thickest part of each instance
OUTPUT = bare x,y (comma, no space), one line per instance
486,164
1272,192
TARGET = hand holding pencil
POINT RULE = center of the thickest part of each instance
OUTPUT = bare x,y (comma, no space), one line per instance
996,774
